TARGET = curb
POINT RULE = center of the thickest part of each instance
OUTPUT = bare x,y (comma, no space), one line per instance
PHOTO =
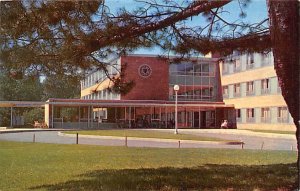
237,132
31,130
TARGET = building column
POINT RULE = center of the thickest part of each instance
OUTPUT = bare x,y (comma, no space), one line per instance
199,117
88,117
166,117
92,116
11,116
52,116
79,116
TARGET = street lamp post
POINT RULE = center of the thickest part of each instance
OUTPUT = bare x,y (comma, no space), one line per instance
176,88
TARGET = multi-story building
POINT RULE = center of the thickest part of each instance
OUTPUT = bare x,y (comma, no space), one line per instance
152,98
249,82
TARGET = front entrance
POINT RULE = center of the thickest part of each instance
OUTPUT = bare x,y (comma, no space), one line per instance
203,120
199,119
196,123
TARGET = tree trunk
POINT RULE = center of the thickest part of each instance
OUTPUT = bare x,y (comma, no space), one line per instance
284,30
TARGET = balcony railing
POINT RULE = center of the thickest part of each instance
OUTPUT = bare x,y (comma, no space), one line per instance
265,91
237,69
279,90
225,72
225,96
282,120
250,93
265,120
250,120
266,63
239,120
249,66
237,94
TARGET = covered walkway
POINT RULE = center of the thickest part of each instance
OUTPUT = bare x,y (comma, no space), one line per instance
78,113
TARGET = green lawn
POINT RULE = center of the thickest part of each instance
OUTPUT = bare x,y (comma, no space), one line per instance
36,166
145,134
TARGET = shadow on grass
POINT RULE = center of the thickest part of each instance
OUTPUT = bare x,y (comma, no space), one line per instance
207,177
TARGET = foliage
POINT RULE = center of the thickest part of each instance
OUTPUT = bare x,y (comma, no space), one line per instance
4,117
72,37
36,166
28,88
69,114
34,114
61,86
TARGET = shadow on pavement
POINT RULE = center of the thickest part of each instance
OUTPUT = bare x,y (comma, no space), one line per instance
207,177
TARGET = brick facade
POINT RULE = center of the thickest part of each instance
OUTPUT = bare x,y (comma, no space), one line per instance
153,87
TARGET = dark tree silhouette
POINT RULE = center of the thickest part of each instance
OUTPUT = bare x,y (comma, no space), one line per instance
55,37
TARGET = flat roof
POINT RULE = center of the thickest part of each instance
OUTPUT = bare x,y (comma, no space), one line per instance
113,103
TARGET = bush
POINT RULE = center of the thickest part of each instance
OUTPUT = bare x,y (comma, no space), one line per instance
35,114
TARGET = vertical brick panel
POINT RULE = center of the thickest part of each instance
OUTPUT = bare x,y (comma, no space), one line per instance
153,87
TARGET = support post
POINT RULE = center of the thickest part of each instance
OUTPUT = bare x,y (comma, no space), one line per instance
166,117
52,116
176,119
76,138
126,143
33,138
262,146
88,119
79,116
11,116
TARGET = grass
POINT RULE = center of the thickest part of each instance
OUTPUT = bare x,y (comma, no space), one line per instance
36,166
145,134
274,131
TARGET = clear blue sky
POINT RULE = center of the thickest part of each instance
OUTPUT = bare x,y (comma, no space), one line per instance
256,11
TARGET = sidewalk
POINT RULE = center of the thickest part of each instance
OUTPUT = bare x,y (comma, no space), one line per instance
19,130
184,131
239,132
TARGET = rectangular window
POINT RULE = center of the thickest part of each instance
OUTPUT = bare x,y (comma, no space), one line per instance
265,86
278,87
238,113
104,93
237,65
224,67
250,88
265,115
225,91
250,115
282,115
237,90
250,61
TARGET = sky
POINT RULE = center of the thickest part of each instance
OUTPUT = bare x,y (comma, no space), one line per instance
256,11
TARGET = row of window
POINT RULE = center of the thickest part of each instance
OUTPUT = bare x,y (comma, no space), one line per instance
98,76
265,88
233,64
265,115
196,80
102,95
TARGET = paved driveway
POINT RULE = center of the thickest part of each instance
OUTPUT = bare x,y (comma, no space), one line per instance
252,141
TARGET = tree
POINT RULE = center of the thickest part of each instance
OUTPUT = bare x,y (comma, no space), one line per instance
54,84
29,88
76,36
